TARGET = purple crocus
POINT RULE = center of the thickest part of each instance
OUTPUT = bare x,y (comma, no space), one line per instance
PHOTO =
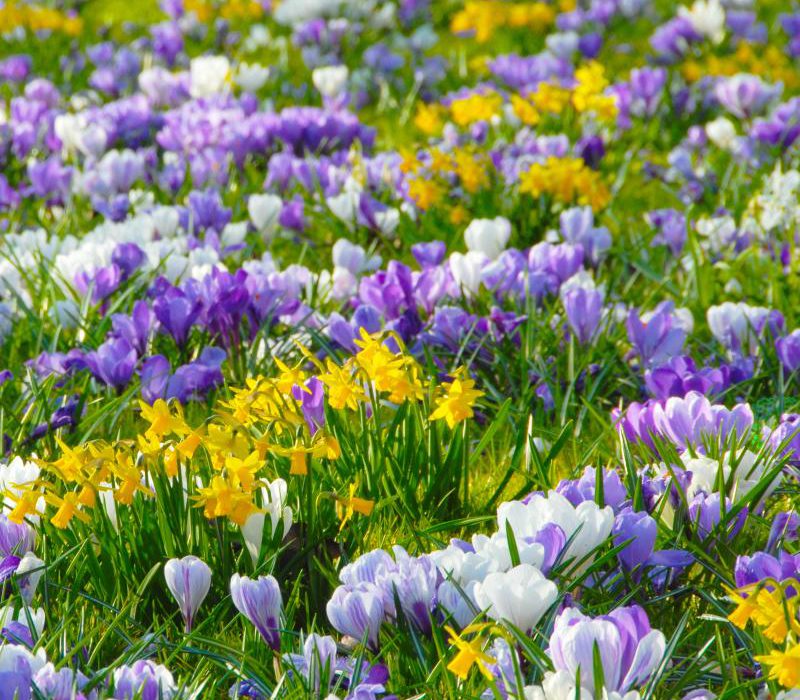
113,362
15,538
429,254
176,313
658,338
744,95
761,566
785,527
584,307
136,328
646,88
312,402
708,511
260,602
788,349
577,227
637,532
576,491
629,650
671,227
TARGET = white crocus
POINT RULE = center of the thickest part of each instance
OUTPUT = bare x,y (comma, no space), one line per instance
466,269
251,76
273,506
264,210
722,133
520,596
209,75
488,236
330,81
586,524
707,17
189,580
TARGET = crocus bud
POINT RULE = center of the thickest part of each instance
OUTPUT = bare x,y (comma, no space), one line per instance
28,573
357,612
260,602
188,579
330,80
637,531
264,210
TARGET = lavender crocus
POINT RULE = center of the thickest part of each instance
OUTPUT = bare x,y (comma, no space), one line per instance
656,337
761,566
744,95
584,308
637,532
629,649
260,602
15,538
144,680
113,362
189,580
788,349
357,612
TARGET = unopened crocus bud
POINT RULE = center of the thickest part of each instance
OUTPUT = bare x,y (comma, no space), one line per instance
264,210
28,573
637,531
188,579
260,602
357,612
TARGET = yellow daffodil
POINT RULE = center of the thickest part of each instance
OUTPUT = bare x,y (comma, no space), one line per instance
784,666
456,402
470,653
347,507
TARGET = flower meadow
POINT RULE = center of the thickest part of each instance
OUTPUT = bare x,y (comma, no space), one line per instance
393,349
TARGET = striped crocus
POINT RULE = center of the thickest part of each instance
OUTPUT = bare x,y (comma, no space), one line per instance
188,579
260,602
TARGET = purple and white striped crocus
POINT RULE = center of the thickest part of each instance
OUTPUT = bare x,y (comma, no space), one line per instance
629,649
188,580
260,602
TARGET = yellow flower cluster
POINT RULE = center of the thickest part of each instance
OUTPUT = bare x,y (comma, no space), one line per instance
433,178
482,18
86,471
35,18
205,10
429,118
768,606
477,107
566,180
768,62
586,96
261,421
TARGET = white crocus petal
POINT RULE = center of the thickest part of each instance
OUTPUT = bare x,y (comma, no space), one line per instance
466,270
264,210
208,75
488,236
649,654
233,234
253,533
330,80
28,573
707,17
722,133
189,580
251,76
520,596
